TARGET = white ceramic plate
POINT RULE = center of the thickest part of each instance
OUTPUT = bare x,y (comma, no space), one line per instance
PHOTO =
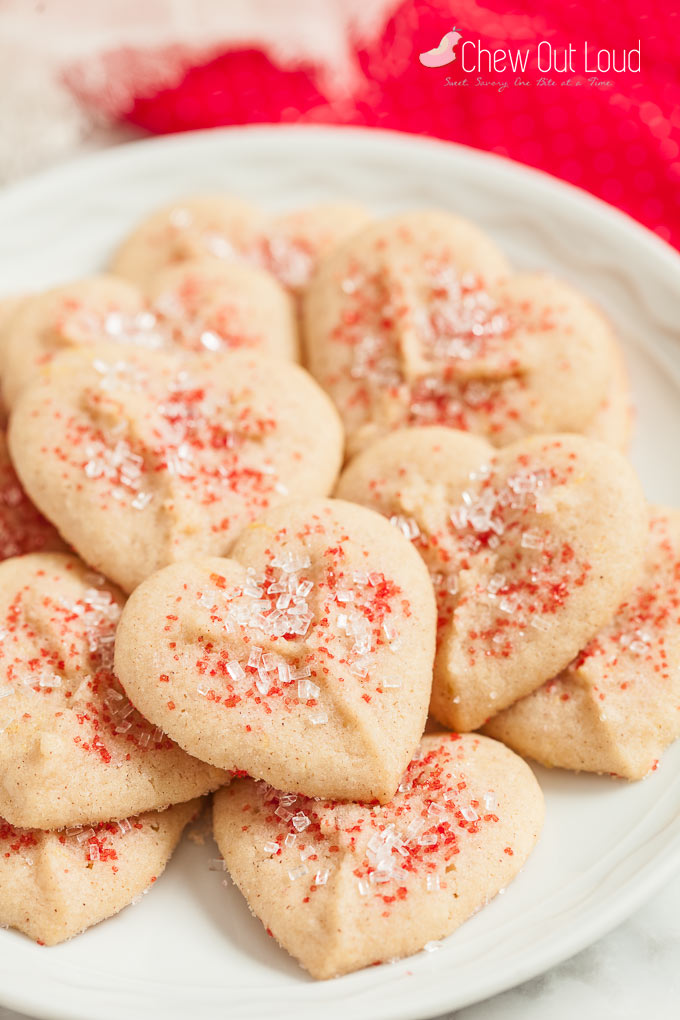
191,947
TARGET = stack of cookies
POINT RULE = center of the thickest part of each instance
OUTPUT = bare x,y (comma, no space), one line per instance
350,598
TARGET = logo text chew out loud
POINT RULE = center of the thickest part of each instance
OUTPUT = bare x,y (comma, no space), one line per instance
548,59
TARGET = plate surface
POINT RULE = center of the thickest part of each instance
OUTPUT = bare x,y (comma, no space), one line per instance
192,948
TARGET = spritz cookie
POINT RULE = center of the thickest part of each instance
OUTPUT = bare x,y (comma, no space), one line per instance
530,548
304,659
288,245
615,707
73,749
202,306
291,244
191,227
54,885
141,458
416,320
342,886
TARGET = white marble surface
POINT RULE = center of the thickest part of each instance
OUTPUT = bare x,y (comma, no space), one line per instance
632,973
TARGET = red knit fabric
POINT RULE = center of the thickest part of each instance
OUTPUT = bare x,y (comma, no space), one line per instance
621,142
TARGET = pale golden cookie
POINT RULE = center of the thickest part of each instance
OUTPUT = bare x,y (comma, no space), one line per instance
531,549
617,705
191,227
54,885
23,529
305,659
416,320
142,458
342,886
203,306
291,245
72,747
287,245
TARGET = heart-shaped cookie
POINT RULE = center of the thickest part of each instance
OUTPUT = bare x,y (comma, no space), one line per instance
72,747
416,320
203,306
305,659
288,245
342,886
152,457
23,529
531,549
616,707
54,885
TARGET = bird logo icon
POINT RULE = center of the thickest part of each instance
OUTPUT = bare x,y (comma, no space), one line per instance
443,54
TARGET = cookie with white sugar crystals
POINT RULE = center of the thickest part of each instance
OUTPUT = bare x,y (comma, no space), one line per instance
192,227
291,244
141,458
288,245
304,659
343,886
73,749
531,549
23,529
417,320
56,884
614,709
202,305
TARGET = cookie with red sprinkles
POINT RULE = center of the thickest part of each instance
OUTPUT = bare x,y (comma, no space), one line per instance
141,458
417,320
288,245
616,707
305,659
203,306
342,886
73,748
54,885
530,548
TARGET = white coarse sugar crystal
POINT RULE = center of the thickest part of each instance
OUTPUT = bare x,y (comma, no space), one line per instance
299,872
319,717
271,848
254,657
300,821
141,500
532,538
321,876
306,690
235,670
